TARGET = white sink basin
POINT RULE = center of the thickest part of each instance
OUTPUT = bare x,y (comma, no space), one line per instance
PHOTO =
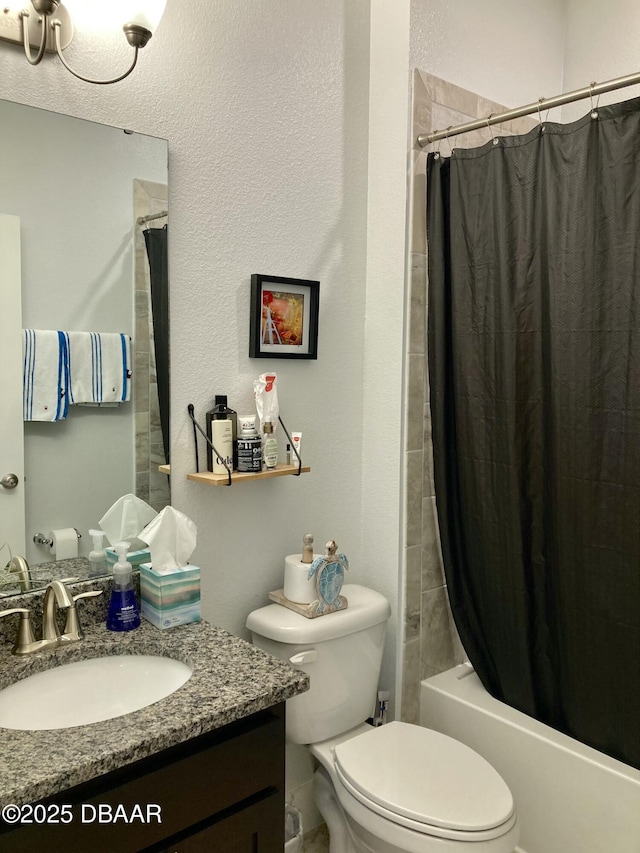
89,691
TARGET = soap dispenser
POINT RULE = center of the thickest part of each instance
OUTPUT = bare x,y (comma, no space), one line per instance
98,565
123,612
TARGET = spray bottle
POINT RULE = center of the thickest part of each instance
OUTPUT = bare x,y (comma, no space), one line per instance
98,565
123,612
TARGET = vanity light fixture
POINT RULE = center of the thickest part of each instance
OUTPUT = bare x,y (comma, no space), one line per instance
47,25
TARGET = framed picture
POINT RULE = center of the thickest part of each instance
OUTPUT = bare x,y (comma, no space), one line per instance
284,317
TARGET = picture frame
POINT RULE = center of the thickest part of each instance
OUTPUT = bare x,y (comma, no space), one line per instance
284,317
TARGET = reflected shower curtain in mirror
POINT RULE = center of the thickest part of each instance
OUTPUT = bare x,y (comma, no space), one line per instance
156,240
534,369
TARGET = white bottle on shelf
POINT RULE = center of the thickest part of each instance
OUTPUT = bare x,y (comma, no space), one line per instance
222,440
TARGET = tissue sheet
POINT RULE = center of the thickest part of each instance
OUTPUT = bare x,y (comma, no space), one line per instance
171,537
125,519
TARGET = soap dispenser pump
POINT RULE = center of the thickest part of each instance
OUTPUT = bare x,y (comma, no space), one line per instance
123,612
98,565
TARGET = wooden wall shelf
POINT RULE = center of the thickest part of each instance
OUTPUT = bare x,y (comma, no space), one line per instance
281,470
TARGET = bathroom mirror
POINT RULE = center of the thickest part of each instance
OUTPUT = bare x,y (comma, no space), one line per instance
81,191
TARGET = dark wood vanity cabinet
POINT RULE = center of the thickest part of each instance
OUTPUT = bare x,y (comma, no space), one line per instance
221,792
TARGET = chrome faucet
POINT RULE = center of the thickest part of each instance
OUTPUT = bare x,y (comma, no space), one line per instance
56,596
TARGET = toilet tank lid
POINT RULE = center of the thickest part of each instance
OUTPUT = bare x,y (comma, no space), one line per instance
276,622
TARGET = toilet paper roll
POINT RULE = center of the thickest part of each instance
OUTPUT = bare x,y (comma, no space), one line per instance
297,586
64,543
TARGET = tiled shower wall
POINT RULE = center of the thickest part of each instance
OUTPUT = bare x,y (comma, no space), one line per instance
431,642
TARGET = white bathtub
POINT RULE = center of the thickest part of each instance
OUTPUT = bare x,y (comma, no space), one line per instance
570,798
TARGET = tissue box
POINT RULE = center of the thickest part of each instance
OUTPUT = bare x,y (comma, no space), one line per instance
171,599
133,557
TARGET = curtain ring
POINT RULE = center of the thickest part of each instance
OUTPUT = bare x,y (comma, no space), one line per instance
594,110
489,126
540,102
446,133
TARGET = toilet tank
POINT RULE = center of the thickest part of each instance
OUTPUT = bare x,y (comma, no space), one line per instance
341,652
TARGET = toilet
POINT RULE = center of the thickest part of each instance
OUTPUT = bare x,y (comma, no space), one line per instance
395,788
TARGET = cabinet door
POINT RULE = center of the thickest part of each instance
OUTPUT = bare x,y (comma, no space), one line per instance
259,828
222,792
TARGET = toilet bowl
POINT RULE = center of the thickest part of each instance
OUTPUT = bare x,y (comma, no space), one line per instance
395,788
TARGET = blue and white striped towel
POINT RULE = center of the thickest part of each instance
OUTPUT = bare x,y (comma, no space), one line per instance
99,367
45,375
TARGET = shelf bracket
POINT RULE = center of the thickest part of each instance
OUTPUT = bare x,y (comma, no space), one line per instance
293,447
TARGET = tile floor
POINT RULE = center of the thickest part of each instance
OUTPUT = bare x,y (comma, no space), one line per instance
316,841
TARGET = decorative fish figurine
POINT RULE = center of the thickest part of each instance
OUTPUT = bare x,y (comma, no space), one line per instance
329,571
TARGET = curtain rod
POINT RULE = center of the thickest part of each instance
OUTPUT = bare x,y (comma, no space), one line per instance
142,219
541,104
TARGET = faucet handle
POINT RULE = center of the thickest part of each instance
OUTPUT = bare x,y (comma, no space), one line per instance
92,593
25,636
14,610
72,629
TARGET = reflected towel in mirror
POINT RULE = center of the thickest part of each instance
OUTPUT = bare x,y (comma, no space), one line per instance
99,367
45,375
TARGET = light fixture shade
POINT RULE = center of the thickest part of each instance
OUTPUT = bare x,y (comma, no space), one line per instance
114,14
145,13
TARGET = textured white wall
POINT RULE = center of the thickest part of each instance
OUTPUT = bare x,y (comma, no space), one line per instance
265,108
272,180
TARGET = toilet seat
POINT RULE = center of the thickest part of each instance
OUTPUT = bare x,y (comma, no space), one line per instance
425,781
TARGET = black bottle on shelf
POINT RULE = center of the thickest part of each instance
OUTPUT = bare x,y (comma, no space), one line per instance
221,411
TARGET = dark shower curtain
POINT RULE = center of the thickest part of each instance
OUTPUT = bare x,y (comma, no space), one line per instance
534,367
156,243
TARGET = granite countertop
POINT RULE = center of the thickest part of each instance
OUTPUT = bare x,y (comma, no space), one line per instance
231,679
42,573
